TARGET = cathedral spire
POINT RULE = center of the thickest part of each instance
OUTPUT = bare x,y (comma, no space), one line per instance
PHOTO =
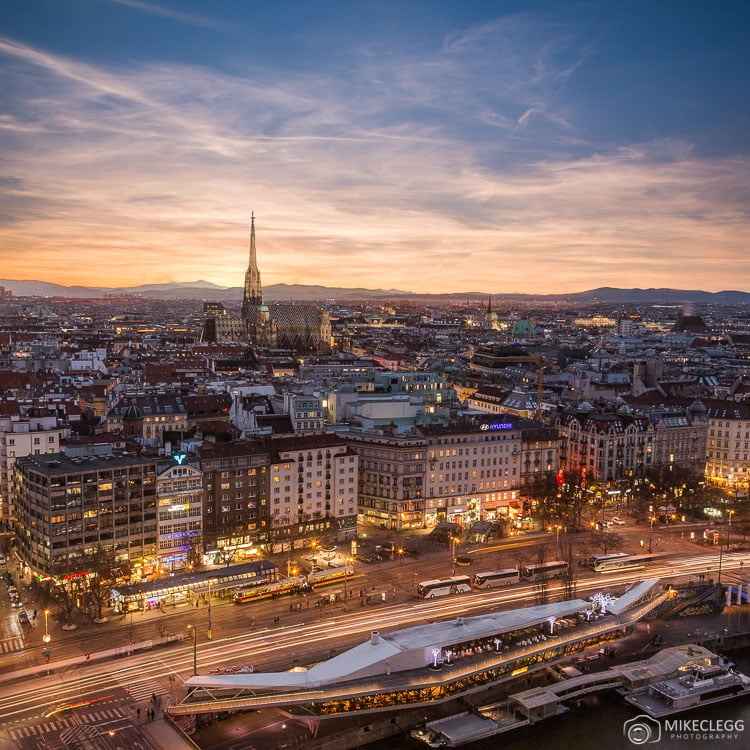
253,295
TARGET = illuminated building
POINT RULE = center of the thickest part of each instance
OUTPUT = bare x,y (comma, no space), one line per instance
303,328
179,490
69,505
728,449
427,665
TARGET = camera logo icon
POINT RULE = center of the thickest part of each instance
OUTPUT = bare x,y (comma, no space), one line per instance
642,730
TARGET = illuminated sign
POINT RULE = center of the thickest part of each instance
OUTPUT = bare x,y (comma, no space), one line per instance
496,426
179,458
181,535
183,506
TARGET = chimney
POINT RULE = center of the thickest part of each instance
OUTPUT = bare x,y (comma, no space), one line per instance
374,637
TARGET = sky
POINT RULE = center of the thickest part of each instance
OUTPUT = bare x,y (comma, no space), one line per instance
421,145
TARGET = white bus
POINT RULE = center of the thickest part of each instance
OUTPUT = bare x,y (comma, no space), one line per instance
594,560
545,571
628,562
493,578
444,587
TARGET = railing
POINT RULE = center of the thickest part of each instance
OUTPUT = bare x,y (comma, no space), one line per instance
397,682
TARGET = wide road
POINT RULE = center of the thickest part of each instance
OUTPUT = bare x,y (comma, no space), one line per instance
307,636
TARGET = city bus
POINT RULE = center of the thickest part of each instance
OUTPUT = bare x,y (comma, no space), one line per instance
494,578
624,563
545,571
444,587
244,594
594,560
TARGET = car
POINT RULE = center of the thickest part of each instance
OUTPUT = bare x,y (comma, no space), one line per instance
617,521
23,617
462,560
2,559
12,591
15,602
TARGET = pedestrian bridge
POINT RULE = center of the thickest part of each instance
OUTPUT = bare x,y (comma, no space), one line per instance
541,703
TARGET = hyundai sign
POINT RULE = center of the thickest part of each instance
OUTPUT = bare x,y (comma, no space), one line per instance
496,426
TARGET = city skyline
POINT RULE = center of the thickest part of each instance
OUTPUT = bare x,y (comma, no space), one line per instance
431,148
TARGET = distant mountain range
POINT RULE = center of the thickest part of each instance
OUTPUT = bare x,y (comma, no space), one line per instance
205,290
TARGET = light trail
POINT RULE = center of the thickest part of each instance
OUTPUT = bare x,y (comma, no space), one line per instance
349,627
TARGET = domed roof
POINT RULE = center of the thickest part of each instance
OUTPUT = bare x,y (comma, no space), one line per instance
698,407
132,413
524,329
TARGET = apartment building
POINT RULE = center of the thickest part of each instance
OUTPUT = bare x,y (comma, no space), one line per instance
313,487
35,433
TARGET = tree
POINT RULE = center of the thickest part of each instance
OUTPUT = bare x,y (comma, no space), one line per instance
541,586
66,593
572,499
544,491
606,541
99,569
194,556
569,580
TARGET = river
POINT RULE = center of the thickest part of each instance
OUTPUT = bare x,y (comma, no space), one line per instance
598,725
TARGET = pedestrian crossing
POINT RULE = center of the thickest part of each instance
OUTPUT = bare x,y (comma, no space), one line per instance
78,734
144,690
95,718
105,716
37,729
8,645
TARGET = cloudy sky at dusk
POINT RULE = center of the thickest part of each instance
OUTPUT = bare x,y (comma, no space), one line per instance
429,146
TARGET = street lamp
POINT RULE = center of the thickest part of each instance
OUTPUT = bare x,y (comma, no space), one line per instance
195,649
557,529
46,653
454,541
348,563
46,637
210,631
650,532
721,548
314,544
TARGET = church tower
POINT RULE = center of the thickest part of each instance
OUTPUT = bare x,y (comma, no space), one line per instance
253,296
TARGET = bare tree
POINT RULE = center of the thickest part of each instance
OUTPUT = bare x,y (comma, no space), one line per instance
194,556
67,592
606,541
569,580
99,575
541,586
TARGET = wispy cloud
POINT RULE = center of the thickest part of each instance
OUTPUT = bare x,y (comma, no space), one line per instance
194,19
381,177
